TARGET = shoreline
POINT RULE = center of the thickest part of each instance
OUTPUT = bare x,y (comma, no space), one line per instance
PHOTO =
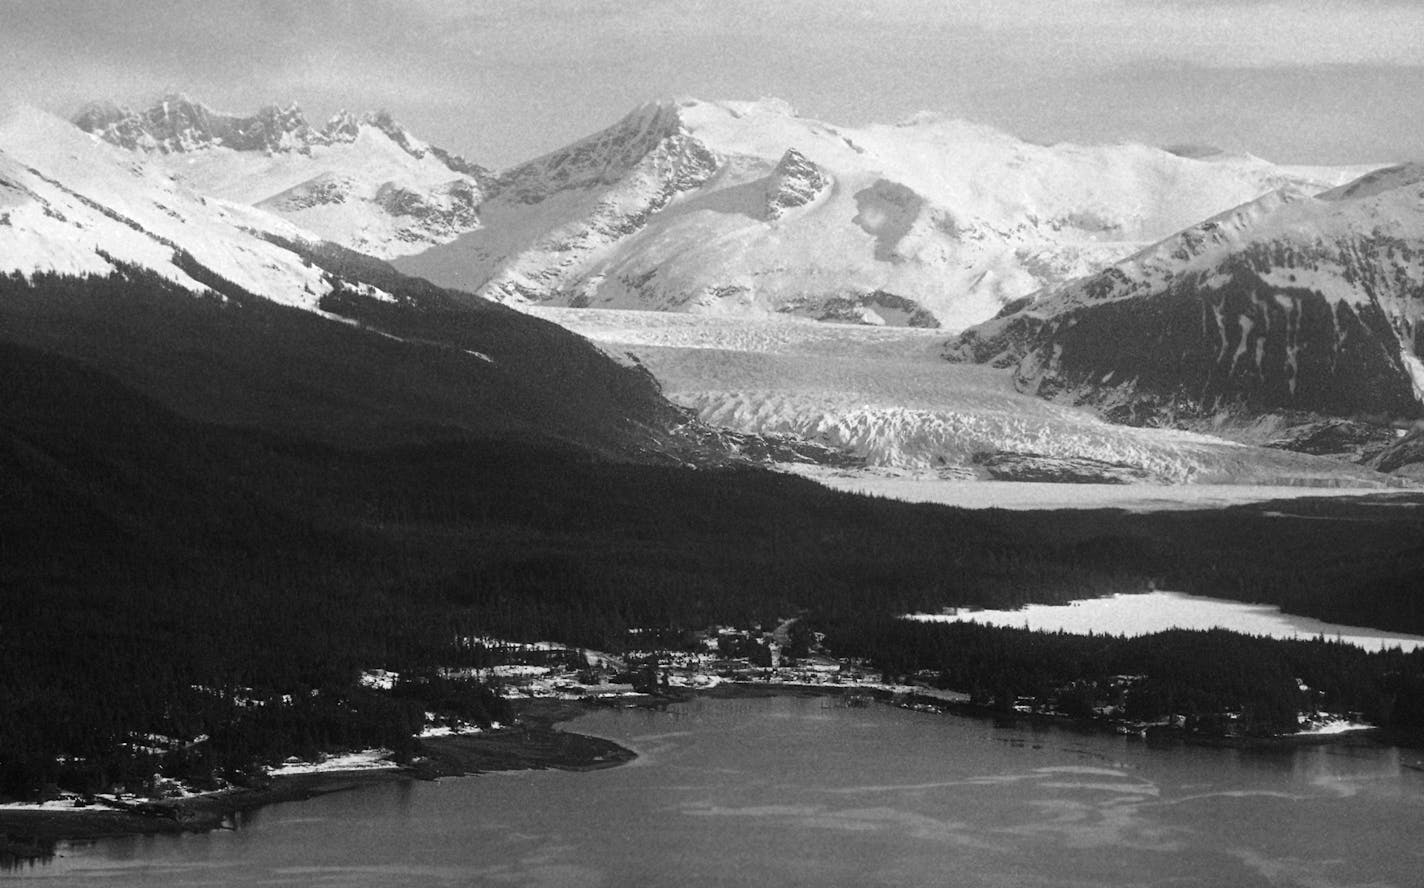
1158,734
31,836
534,743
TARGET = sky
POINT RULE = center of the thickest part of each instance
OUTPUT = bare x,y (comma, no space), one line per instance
500,81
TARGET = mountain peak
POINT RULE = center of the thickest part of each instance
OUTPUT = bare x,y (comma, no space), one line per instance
176,123
651,130
343,126
386,124
795,182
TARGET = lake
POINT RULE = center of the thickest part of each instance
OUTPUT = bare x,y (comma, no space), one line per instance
1145,613
793,791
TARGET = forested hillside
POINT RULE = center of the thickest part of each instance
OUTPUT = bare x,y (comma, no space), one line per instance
157,571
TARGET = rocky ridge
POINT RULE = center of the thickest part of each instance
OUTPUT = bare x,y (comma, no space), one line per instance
1290,304
742,208
747,208
359,180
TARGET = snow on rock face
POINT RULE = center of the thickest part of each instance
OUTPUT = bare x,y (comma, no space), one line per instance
549,218
73,205
650,140
1290,302
746,208
361,181
794,183
177,124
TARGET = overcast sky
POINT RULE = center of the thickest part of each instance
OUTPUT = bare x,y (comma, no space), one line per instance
1302,81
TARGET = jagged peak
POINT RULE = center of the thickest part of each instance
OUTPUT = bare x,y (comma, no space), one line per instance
795,182
175,122
653,119
634,134
343,126
651,130
793,160
383,121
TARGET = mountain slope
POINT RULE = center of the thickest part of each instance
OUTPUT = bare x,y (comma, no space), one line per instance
1286,303
228,315
746,208
74,206
361,181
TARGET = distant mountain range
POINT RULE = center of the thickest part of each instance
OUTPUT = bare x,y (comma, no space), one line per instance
361,181
1301,291
714,207
748,208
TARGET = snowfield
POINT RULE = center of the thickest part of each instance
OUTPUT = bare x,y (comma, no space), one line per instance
747,209
885,394
74,205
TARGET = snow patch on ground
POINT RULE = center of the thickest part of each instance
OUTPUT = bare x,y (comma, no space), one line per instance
62,804
364,760
379,679
455,730
1331,727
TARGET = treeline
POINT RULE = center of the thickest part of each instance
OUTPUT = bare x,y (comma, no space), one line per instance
1220,682
168,558
100,687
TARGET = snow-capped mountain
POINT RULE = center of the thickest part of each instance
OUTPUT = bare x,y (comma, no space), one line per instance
1287,302
224,313
747,208
361,181
72,205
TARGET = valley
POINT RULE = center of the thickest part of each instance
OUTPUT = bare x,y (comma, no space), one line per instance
269,497
886,395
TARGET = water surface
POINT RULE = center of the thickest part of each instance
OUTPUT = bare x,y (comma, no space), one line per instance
795,792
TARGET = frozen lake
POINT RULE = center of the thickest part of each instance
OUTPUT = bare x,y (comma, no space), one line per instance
1150,612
